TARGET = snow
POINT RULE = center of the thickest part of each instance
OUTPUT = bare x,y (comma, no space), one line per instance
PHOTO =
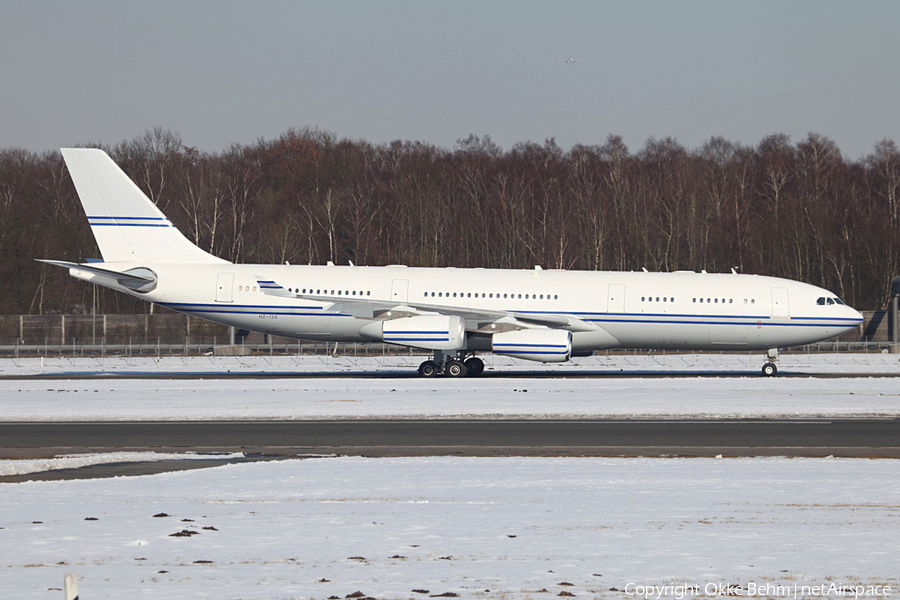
276,392
76,461
401,363
330,527
323,527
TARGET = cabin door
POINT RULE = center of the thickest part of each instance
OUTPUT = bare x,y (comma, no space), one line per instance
780,307
400,290
616,300
224,285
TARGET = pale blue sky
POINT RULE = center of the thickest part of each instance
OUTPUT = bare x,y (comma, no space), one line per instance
221,72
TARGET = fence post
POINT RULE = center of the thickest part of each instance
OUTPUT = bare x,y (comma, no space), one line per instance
895,347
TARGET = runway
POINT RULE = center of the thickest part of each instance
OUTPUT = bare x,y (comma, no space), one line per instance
411,373
478,437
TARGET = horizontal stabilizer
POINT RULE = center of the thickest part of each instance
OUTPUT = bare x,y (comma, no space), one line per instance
139,279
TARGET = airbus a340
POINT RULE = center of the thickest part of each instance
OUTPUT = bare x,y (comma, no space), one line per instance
540,315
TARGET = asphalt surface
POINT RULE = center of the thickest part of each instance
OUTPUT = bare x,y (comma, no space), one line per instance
267,440
411,373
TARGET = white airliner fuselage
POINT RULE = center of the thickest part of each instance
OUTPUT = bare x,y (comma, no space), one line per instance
541,315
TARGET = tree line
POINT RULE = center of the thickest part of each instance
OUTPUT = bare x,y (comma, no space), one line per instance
796,210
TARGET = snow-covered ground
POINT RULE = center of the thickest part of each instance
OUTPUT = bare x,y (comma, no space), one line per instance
77,461
625,395
519,527
631,362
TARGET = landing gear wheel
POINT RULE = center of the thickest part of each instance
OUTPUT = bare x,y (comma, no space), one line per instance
429,368
475,366
455,368
769,369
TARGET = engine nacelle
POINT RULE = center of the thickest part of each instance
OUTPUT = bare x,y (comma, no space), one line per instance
433,332
542,345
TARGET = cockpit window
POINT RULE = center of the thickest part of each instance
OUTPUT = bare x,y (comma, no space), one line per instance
828,301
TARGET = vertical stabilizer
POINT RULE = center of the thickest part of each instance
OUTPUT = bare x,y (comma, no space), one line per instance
126,224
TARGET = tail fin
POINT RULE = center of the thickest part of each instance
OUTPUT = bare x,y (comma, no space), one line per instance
126,224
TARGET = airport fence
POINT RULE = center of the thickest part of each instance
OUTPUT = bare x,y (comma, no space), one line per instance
172,334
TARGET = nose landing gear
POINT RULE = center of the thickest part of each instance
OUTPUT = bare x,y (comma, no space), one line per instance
769,369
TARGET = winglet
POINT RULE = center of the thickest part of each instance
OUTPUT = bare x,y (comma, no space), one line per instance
272,288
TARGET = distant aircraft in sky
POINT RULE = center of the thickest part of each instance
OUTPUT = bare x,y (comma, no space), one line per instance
570,60
545,316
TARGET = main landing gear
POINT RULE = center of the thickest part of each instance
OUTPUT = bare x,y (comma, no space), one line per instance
769,369
444,364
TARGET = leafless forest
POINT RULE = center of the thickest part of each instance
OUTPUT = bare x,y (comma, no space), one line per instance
797,210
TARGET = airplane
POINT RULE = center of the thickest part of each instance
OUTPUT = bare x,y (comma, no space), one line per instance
540,315
570,60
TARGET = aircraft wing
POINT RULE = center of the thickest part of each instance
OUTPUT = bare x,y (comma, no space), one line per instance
367,308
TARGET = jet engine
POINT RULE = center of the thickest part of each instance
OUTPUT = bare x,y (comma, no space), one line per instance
542,345
434,332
